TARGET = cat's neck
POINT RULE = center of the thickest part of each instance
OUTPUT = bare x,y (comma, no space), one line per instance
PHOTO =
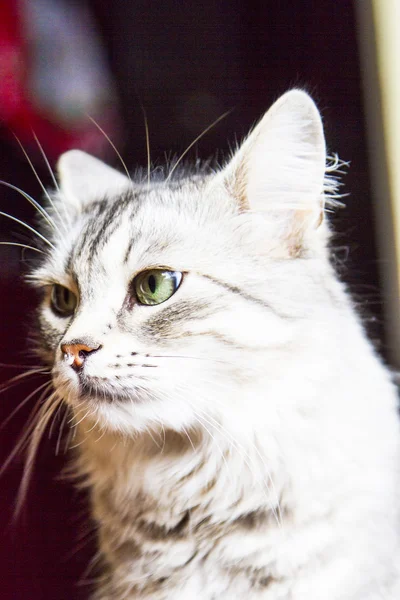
165,474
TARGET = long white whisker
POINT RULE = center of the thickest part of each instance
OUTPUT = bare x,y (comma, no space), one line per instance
94,426
188,437
60,431
46,385
103,433
206,130
13,366
216,360
148,430
45,240
42,210
43,417
90,413
50,170
14,380
34,203
89,535
199,419
71,436
71,421
22,246
92,563
84,417
37,413
164,438
114,148
55,415
146,127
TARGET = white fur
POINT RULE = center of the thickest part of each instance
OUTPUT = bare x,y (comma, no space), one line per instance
286,409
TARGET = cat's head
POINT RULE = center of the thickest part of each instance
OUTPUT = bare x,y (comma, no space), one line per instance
181,302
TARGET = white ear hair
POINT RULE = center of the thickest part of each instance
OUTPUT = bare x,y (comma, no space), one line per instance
282,162
84,178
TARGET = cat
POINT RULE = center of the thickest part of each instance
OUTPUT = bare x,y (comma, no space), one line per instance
236,429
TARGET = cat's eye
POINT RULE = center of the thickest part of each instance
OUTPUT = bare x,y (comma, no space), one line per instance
62,301
156,285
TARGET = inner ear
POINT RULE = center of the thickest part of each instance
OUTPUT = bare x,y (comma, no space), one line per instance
84,179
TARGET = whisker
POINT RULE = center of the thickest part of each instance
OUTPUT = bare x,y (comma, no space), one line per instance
13,366
3,214
103,433
60,431
44,212
25,246
43,417
113,146
50,170
77,412
206,130
17,378
200,420
147,145
35,417
88,537
93,426
210,359
188,437
20,444
55,415
71,435
75,429
148,430
84,417
164,437
46,385
34,203
92,565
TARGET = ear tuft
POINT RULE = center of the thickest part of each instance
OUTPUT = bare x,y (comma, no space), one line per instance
84,178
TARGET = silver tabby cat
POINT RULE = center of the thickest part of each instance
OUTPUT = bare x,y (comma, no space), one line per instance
237,431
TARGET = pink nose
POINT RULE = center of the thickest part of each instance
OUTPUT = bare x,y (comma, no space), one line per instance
77,353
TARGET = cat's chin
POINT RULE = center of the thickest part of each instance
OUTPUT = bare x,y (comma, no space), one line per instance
80,391
127,419
129,413
94,394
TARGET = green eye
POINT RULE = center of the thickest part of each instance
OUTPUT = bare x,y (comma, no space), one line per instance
156,286
62,301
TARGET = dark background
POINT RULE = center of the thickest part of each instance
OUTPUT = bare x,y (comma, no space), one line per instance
186,63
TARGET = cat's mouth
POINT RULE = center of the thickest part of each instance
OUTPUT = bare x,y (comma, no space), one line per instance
97,391
107,392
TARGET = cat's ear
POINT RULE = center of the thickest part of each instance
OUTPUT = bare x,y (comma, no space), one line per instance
84,179
280,167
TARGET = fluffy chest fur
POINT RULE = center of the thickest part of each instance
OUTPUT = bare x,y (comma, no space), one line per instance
238,434
288,516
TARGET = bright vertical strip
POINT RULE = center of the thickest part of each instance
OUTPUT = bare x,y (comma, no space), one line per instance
386,14
379,43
